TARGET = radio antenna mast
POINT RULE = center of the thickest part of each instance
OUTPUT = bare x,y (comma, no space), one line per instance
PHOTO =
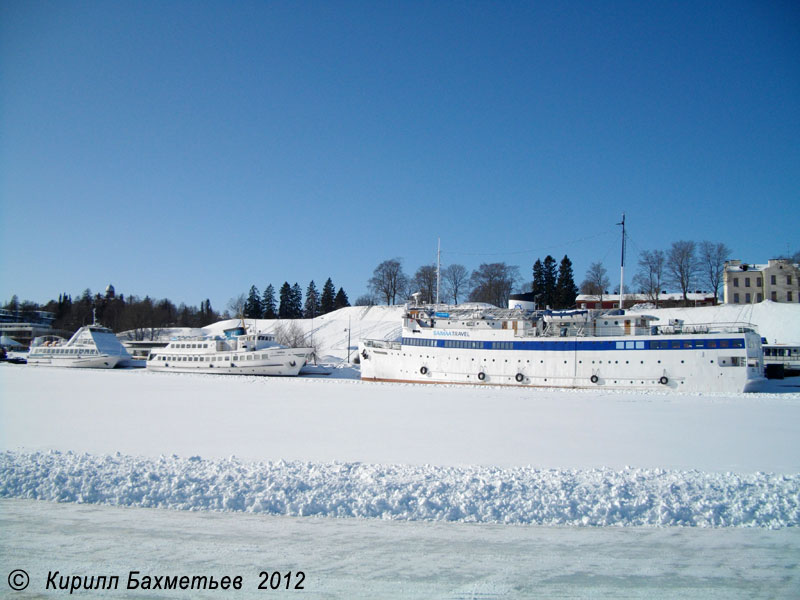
622,266
438,265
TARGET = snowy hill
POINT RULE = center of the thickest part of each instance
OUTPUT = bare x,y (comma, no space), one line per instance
777,322
327,333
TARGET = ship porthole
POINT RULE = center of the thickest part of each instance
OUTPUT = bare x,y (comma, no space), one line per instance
481,375
423,370
663,381
519,377
594,379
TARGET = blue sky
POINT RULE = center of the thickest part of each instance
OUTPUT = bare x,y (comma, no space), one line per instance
192,149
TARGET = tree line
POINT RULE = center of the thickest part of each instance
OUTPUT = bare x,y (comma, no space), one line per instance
143,316
289,302
146,317
492,283
684,266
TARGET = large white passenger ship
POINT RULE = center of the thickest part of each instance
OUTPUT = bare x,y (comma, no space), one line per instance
92,346
573,349
243,354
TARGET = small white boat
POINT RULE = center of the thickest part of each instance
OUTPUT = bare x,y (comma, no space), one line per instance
244,354
91,347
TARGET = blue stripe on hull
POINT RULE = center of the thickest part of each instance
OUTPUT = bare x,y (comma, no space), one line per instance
581,345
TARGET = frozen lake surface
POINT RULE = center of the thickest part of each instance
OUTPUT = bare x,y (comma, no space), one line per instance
449,492
368,558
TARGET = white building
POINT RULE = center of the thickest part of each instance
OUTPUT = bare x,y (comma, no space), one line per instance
748,283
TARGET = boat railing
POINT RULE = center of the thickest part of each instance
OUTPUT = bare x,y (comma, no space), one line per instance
698,328
563,330
386,344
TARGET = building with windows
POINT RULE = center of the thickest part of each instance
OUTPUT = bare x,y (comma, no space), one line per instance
24,325
748,283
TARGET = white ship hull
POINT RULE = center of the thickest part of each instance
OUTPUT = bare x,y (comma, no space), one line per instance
79,362
282,362
495,351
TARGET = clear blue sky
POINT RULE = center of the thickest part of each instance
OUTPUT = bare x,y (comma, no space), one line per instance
192,149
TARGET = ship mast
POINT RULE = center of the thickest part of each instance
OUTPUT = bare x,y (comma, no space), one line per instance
438,265
622,266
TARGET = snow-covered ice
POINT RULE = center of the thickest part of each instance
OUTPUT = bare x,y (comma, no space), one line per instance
477,491
138,413
341,448
370,558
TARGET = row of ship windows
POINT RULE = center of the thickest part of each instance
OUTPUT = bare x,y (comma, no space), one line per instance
656,344
781,351
735,361
580,362
459,344
226,358
662,345
68,351
189,346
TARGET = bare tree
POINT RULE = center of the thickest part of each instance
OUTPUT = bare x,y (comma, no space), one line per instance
456,282
388,281
365,300
596,281
682,267
650,276
712,260
493,283
424,281
289,333
236,305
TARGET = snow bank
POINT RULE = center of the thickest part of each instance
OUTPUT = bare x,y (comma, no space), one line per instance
596,497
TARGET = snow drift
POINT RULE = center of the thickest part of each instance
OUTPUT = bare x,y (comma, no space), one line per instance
596,497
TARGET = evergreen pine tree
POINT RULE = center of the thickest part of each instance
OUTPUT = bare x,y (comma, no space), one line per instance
252,307
328,295
268,303
538,281
341,300
296,302
549,272
566,290
285,306
311,308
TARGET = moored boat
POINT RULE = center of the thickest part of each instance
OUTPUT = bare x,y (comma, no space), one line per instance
574,349
242,354
91,347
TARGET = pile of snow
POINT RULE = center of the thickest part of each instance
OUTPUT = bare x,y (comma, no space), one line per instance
596,497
